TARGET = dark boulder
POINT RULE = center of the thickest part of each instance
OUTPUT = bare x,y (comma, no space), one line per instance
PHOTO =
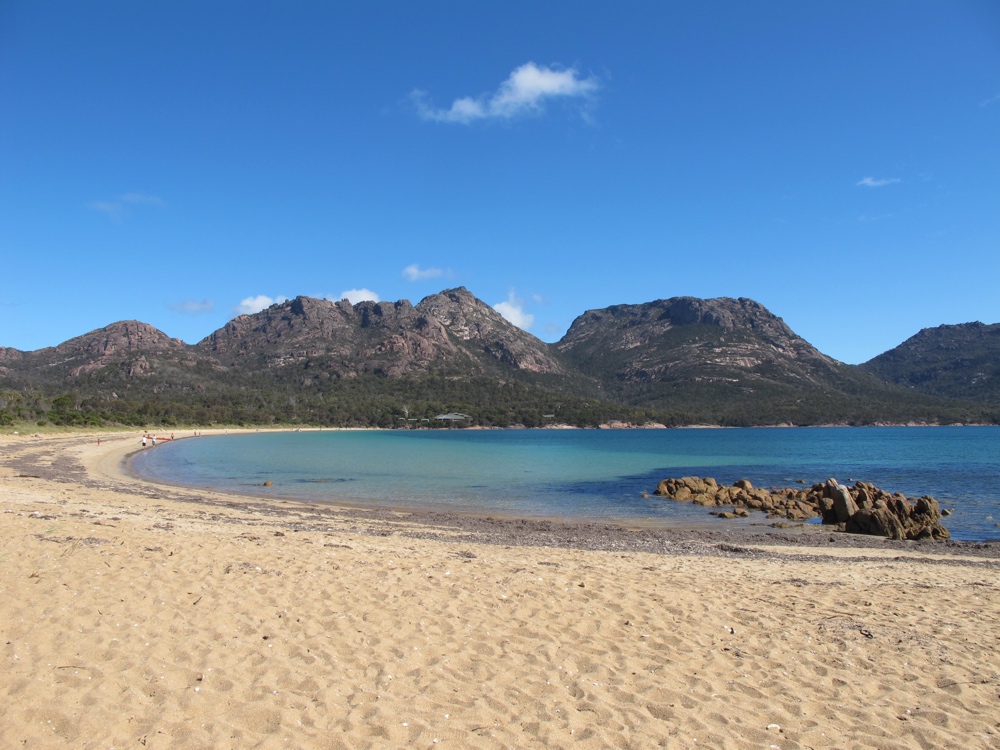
844,504
863,509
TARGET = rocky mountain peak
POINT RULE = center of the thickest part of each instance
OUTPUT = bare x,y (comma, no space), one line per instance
386,314
289,323
726,313
652,318
129,345
729,340
473,321
449,329
121,338
464,315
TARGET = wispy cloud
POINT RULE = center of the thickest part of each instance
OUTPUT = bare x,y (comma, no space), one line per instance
354,296
877,182
524,92
117,208
866,219
416,273
513,310
142,199
112,208
990,100
252,305
193,307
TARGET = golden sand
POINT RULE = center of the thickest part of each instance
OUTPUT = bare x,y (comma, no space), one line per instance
131,617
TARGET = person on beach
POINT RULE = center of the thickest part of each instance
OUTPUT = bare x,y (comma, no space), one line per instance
143,441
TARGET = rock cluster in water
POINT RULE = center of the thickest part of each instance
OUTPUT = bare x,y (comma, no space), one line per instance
861,509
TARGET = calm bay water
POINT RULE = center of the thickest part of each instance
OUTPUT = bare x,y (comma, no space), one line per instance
589,474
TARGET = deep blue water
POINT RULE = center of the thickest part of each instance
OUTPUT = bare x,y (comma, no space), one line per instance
589,474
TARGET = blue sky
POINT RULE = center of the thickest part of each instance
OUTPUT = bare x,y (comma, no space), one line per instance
837,161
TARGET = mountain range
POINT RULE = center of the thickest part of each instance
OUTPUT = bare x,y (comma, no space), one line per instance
682,360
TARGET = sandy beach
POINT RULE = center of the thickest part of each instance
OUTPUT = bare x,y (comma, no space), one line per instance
136,615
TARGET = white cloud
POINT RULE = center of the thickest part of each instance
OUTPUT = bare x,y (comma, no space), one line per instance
989,101
524,92
354,296
875,182
118,207
193,307
414,272
513,310
252,305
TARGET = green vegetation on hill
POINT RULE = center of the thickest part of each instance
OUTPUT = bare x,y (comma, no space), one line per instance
373,401
367,401
954,361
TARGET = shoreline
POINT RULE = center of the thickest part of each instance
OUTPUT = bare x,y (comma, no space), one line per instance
51,430
496,528
642,533
109,463
139,614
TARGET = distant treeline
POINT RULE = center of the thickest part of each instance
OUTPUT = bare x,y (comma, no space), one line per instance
372,401
364,402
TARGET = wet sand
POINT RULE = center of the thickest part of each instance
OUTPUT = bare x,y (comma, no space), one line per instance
137,615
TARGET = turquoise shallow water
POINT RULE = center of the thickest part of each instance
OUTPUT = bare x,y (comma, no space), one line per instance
588,474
